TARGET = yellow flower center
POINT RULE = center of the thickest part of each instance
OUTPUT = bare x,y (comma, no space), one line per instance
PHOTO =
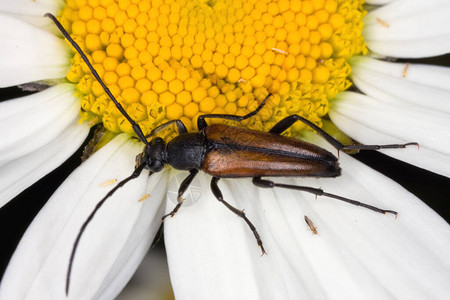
178,59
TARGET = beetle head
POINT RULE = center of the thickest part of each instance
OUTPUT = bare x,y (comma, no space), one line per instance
153,155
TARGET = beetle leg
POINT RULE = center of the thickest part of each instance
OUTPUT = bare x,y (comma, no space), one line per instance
218,194
201,123
318,192
183,187
289,120
180,126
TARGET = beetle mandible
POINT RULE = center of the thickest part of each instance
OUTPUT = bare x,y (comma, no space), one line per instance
225,151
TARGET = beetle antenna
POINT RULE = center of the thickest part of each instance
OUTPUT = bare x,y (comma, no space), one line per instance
137,129
135,174
135,126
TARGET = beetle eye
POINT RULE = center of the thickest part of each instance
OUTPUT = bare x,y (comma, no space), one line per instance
155,165
152,162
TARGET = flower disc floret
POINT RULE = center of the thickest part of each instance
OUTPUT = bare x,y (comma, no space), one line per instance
176,60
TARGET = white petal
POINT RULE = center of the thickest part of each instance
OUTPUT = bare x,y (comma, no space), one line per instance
409,29
140,237
32,8
17,175
112,244
422,85
151,280
31,122
358,254
372,121
211,252
29,53
32,11
379,2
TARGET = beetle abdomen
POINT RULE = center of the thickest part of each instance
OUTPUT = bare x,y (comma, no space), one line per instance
237,152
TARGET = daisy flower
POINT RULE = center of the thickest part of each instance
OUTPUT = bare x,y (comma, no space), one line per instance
330,61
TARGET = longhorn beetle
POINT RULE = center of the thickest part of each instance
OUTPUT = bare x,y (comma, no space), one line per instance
229,152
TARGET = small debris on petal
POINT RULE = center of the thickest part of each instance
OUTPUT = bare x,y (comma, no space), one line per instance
109,182
383,23
405,70
145,197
